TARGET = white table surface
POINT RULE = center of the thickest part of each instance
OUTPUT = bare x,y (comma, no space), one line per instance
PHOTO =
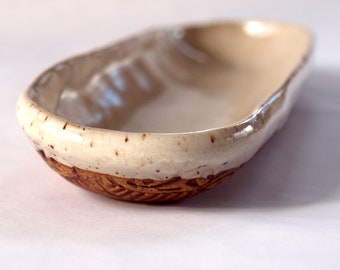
281,211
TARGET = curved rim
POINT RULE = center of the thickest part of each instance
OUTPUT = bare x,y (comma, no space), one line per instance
231,128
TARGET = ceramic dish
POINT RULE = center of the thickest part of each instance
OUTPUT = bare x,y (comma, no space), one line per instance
168,113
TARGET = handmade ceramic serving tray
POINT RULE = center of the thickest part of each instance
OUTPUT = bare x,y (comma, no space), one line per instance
168,113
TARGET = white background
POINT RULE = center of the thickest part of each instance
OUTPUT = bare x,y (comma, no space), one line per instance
281,211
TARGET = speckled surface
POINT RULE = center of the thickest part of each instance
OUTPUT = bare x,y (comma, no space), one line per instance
60,133
280,211
164,155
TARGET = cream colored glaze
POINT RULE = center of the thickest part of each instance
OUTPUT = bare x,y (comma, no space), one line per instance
188,102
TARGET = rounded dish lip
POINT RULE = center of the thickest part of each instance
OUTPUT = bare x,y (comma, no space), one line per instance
215,137
250,117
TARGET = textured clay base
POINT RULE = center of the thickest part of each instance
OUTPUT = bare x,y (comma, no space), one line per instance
137,190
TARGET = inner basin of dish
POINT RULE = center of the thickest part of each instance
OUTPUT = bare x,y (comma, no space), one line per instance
175,80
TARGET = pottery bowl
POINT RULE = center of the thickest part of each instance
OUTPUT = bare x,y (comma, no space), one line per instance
168,113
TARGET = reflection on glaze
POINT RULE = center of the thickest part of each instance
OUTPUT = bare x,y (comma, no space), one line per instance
243,91
186,49
244,132
258,29
140,77
116,77
173,81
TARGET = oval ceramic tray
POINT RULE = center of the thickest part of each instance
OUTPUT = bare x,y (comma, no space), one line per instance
168,113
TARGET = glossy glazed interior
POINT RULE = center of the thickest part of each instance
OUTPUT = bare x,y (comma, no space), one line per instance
242,77
176,80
